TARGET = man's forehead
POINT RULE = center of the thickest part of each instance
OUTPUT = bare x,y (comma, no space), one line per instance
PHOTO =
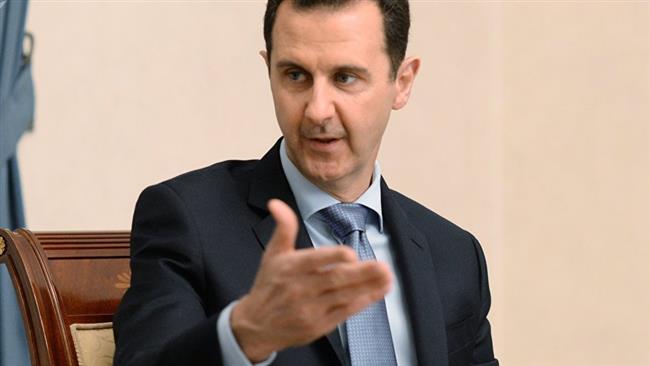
356,28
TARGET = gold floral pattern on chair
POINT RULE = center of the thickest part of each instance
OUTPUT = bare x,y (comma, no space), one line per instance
93,343
123,281
2,246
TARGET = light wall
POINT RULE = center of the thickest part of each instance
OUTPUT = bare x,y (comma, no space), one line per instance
529,125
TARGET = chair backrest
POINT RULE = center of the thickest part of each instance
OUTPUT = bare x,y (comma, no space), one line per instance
63,279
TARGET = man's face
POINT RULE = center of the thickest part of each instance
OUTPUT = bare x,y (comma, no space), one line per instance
332,89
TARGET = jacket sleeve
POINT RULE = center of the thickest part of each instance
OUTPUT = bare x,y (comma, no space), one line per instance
483,354
162,319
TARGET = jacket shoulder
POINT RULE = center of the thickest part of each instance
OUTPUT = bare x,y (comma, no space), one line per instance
206,191
220,173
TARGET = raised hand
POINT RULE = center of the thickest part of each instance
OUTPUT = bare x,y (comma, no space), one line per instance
301,295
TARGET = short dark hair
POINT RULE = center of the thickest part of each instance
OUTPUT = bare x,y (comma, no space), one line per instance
397,21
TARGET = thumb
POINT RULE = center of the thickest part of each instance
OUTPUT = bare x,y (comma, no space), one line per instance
286,229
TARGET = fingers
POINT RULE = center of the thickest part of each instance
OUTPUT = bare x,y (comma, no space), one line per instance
344,302
318,260
325,269
350,275
356,298
330,308
286,229
351,300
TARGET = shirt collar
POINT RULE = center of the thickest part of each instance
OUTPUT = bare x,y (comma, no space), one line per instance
311,199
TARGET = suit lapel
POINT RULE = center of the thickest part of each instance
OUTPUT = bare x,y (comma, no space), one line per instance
268,181
415,263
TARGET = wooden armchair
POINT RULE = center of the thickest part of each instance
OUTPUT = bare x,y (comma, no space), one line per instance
65,281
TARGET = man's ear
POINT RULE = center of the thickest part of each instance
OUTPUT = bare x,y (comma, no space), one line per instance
265,56
404,81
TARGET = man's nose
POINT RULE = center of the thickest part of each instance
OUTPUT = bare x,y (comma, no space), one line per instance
320,104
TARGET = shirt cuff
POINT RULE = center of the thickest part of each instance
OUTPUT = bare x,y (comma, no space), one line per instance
231,352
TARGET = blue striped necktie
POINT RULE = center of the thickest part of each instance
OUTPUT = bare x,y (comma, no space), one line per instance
369,338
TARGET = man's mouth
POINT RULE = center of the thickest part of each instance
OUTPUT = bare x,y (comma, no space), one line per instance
325,140
324,144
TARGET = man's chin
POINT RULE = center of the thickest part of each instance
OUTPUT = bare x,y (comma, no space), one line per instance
323,174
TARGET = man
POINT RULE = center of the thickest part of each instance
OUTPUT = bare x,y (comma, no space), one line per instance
223,271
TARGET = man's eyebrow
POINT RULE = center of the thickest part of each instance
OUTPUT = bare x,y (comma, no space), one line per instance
287,64
353,69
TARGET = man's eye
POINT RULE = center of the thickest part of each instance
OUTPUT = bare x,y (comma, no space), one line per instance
296,75
345,79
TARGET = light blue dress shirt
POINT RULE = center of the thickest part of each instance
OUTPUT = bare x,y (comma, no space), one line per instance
311,199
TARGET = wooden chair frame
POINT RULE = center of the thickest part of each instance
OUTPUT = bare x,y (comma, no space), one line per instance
63,279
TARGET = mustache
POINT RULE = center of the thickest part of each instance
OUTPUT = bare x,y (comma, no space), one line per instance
324,132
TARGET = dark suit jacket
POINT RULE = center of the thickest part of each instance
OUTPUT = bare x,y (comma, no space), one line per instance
197,241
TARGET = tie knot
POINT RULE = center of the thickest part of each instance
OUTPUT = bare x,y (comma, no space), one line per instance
345,218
